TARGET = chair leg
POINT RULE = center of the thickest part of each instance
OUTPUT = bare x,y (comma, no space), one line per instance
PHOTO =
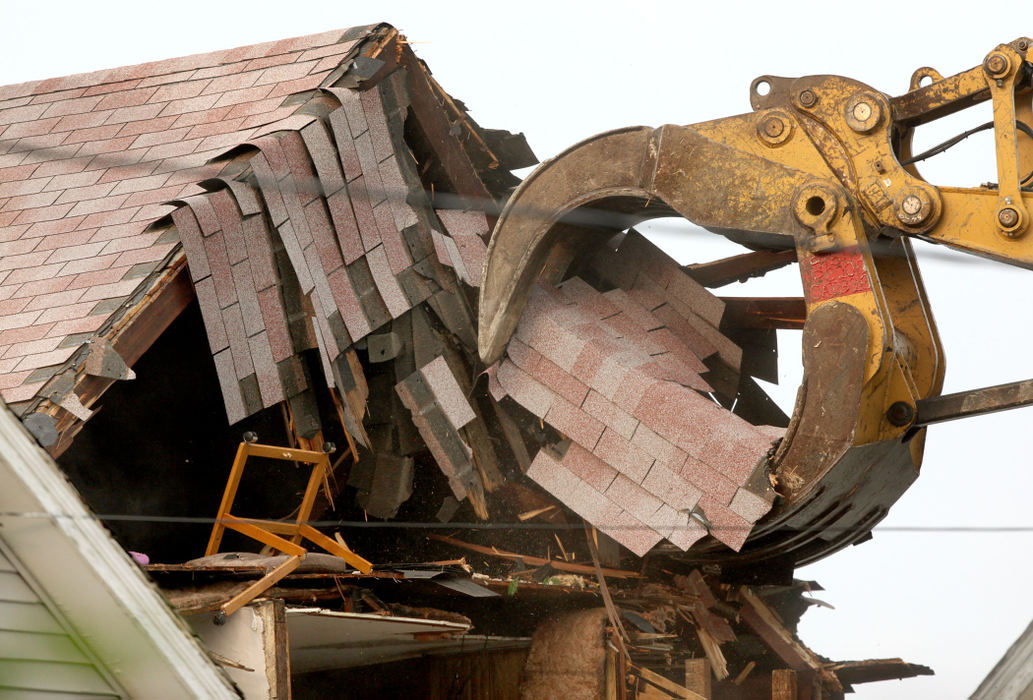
260,586
236,472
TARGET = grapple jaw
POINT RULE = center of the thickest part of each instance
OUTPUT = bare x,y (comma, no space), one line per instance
833,484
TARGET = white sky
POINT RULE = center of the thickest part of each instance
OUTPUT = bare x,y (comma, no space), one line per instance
561,72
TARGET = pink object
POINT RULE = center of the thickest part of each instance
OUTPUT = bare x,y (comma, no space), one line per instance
140,558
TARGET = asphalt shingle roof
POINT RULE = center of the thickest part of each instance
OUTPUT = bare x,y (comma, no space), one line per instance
88,162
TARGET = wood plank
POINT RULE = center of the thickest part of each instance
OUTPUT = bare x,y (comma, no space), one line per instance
766,623
678,691
261,585
286,453
5,563
257,533
335,548
788,313
434,123
783,684
277,651
697,677
739,268
535,561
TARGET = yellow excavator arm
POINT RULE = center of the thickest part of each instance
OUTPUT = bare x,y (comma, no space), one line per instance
823,166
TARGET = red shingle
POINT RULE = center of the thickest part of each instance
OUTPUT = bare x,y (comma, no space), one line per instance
345,226
21,320
242,96
551,375
374,186
709,480
632,533
45,359
86,324
394,247
126,98
230,388
31,347
111,291
265,370
621,454
345,146
671,488
749,505
447,392
594,471
18,335
687,535
99,262
387,284
83,219
275,323
93,279
573,422
19,187
551,475
524,390
659,448
74,106
725,526
31,128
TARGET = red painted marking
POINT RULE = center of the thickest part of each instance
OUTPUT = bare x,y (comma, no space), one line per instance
831,275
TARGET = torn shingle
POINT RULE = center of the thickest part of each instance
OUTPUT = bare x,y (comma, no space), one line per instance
447,392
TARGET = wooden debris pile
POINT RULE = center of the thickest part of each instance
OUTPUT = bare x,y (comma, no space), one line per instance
696,638
615,635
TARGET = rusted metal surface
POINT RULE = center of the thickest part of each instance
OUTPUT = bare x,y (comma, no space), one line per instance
976,402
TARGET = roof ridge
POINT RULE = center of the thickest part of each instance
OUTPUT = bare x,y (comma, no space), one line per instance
191,62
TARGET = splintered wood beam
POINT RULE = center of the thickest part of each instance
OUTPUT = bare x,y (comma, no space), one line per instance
766,623
535,561
870,670
739,268
764,312
436,127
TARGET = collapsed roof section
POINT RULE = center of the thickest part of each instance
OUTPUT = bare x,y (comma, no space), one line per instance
328,204
287,171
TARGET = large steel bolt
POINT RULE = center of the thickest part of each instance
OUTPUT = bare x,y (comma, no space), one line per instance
914,207
862,111
773,127
911,205
900,413
995,64
1008,217
808,98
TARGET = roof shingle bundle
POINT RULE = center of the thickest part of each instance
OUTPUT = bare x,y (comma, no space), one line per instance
648,454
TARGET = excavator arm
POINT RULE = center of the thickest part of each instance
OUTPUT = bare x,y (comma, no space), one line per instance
823,165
